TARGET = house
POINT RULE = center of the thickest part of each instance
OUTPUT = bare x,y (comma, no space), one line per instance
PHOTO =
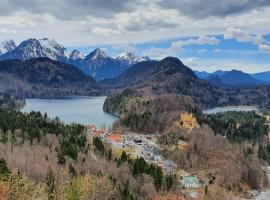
115,139
190,182
186,120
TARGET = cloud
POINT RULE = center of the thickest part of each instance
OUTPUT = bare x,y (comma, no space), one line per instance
7,31
159,53
243,36
150,18
190,62
104,31
210,40
67,9
207,8
264,47
178,46
128,47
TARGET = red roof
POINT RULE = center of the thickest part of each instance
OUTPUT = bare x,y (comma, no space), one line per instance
115,137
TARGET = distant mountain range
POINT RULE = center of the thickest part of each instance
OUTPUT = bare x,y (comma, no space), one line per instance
234,78
96,64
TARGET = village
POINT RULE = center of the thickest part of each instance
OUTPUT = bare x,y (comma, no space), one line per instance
145,146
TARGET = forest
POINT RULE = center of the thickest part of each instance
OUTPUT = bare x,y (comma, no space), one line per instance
238,126
36,151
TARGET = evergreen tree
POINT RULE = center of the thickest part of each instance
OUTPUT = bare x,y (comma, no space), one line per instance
50,184
109,156
4,171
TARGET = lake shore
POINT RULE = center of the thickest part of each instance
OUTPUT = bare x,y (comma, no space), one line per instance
84,110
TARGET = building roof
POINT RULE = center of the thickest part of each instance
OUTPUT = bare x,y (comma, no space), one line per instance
115,137
190,180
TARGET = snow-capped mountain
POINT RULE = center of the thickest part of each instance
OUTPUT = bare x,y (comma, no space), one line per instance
128,59
36,48
7,46
96,64
101,66
76,55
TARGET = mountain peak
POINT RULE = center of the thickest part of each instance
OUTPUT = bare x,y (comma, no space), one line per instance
76,55
176,64
98,53
171,59
129,58
7,46
36,48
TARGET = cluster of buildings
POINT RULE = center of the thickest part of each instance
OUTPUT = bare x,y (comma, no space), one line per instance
135,145
106,135
186,120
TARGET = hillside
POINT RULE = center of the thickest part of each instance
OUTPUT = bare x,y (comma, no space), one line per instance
168,76
155,92
43,77
234,78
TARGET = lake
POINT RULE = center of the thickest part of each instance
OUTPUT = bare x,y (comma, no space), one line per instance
84,110
230,108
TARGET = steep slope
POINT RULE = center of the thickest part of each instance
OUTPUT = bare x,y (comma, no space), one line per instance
101,66
33,48
44,77
234,78
155,92
76,59
7,46
168,76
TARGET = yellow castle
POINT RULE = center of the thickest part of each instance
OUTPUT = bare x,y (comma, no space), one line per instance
186,120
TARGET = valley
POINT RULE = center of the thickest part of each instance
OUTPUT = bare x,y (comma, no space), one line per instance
128,127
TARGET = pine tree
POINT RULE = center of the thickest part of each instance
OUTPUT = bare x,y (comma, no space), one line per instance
109,156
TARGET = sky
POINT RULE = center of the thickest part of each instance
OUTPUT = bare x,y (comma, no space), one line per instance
205,34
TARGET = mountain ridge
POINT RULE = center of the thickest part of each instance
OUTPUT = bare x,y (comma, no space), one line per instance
261,77
96,64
